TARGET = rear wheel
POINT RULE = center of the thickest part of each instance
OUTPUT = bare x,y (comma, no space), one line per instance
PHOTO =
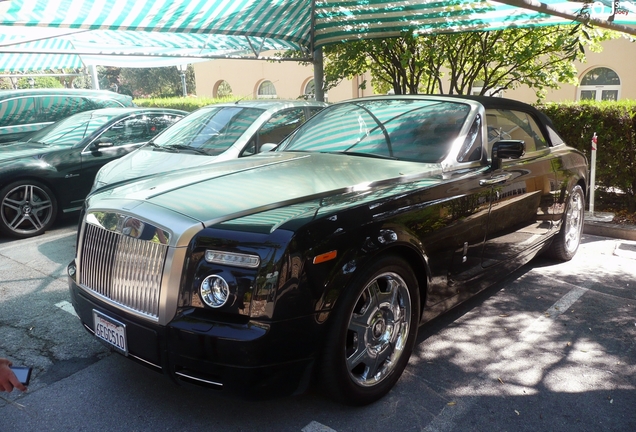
27,208
566,242
373,333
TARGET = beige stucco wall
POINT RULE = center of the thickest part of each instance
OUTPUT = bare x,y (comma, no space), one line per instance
618,55
290,78
245,76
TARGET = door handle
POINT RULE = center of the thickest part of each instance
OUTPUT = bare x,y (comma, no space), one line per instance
501,178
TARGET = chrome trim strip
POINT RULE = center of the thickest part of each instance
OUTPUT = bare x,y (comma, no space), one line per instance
145,361
181,374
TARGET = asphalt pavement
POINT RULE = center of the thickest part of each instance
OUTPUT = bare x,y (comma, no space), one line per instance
551,348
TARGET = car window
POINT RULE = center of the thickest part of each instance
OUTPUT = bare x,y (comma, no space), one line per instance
106,103
514,125
54,108
275,129
471,150
413,130
69,131
280,125
137,129
555,138
314,110
212,130
18,111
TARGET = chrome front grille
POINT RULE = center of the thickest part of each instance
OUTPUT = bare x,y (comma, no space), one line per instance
122,269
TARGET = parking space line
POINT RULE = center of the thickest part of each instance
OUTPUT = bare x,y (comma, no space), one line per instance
446,420
67,307
314,426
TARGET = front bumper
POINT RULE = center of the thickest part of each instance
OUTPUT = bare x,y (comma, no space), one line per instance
251,360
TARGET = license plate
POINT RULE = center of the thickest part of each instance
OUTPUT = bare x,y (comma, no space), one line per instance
111,331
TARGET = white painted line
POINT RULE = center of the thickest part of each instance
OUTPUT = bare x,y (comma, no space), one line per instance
449,418
314,426
541,324
67,307
625,249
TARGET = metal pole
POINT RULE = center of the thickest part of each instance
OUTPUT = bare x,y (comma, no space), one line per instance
94,81
593,173
183,84
319,75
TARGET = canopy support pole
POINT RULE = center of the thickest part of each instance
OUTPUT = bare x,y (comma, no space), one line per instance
319,75
92,69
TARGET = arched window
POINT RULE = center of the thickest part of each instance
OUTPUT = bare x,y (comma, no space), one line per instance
266,90
310,90
222,89
600,83
309,93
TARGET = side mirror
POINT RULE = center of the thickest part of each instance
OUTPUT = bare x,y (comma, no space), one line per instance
102,143
507,149
267,147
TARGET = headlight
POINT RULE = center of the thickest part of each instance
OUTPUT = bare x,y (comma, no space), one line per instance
232,259
215,291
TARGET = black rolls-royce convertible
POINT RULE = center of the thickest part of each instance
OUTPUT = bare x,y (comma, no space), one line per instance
315,263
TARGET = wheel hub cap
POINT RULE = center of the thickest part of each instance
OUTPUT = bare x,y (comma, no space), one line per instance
378,328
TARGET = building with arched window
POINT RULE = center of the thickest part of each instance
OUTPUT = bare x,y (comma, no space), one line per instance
608,75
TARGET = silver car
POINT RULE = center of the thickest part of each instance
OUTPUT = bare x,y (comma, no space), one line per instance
213,133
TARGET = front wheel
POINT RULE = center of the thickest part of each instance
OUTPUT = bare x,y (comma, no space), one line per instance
27,208
566,242
372,334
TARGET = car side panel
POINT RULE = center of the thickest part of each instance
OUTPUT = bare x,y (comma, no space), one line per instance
522,210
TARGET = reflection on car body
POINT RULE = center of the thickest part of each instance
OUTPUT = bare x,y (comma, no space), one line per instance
25,111
316,263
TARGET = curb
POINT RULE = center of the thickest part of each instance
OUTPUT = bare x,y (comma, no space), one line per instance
625,232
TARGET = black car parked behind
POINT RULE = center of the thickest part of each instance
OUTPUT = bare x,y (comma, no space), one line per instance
53,170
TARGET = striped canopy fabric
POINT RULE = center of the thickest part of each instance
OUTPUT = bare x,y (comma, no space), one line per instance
41,34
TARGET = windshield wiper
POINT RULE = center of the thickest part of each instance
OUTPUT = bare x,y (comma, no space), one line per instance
185,147
371,155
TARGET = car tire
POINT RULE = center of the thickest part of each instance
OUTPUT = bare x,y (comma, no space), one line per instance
372,333
566,242
27,209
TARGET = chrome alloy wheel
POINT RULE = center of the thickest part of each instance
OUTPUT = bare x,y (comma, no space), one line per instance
574,221
378,329
26,209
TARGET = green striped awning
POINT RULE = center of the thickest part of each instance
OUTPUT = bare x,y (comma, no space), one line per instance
132,32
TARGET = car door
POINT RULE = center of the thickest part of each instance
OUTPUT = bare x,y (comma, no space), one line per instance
523,190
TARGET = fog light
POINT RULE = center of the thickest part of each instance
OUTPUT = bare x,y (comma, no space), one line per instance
71,270
215,291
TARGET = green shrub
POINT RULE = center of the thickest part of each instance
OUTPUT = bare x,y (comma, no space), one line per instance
615,126
187,104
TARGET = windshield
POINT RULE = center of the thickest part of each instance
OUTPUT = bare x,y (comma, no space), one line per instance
72,130
405,129
210,130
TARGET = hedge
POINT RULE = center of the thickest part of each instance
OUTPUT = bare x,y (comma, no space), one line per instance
615,126
187,104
